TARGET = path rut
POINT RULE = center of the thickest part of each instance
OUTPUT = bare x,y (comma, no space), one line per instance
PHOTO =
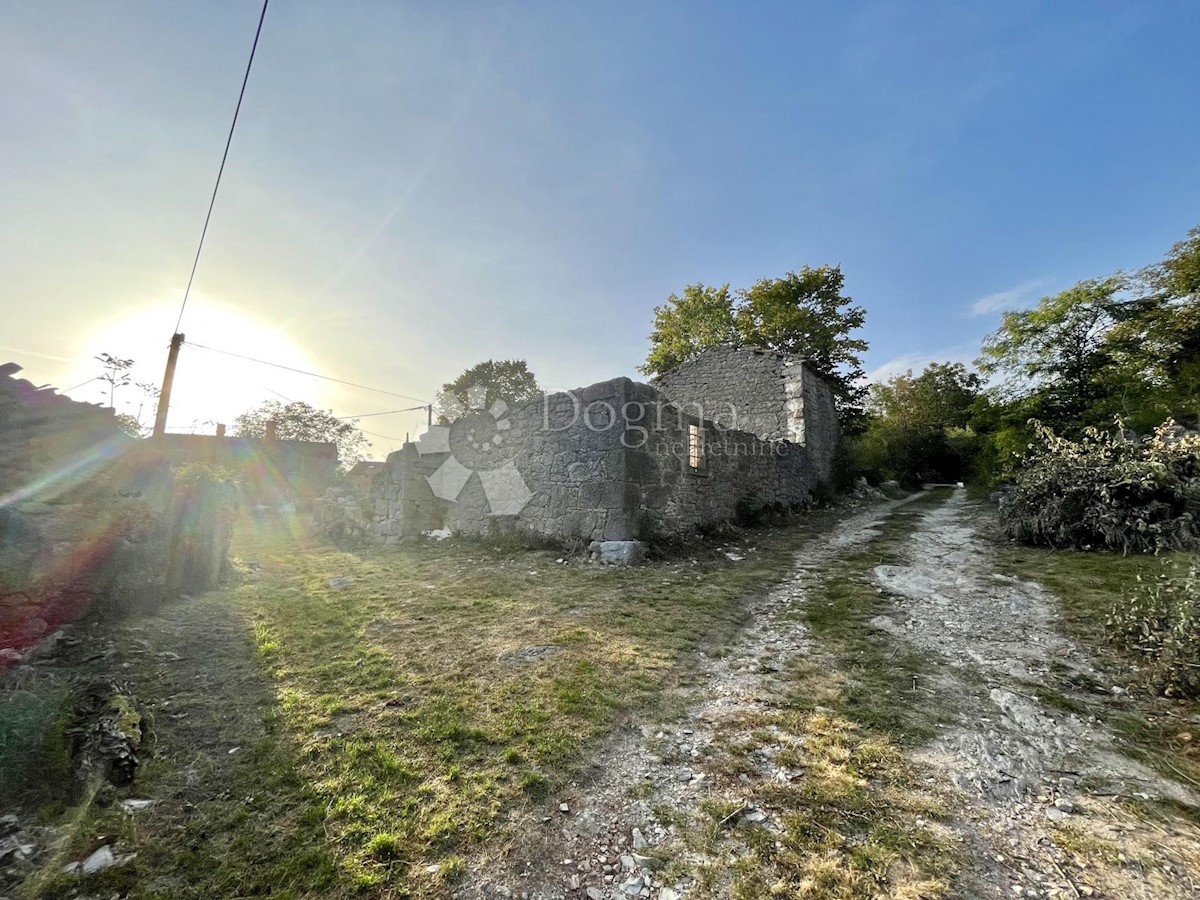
1018,770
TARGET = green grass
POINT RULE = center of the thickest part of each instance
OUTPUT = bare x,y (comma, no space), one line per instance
1087,584
413,727
381,736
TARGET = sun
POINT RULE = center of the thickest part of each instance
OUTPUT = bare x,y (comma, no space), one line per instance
211,385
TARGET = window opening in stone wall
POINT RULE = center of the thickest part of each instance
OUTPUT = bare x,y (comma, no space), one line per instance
695,447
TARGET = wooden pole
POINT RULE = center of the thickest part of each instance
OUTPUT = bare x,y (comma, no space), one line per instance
164,397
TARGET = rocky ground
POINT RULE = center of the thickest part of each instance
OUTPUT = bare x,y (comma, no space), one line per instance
1029,778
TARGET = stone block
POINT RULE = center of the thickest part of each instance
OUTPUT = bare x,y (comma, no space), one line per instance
617,553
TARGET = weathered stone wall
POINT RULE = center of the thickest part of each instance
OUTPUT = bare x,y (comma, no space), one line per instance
607,462
89,516
741,389
740,474
774,396
818,429
553,467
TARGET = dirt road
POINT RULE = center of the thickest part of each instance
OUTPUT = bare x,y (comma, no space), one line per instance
935,735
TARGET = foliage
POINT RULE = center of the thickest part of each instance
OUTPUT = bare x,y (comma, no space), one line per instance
128,424
485,384
917,427
1123,345
115,373
942,396
804,312
1105,491
807,312
298,421
703,317
1161,624
1059,349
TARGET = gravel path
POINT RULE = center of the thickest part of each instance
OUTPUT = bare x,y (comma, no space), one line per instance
1024,774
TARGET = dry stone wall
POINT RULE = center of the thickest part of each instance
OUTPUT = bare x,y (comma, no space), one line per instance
603,463
774,396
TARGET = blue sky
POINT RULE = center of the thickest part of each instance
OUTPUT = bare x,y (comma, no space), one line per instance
415,187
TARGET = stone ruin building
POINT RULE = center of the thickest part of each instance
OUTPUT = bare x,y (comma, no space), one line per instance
725,436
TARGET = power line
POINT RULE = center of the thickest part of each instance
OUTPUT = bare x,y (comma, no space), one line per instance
229,140
81,384
384,436
387,412
264,362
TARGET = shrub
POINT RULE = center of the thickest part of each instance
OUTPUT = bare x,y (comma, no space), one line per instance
1107,491
1161,624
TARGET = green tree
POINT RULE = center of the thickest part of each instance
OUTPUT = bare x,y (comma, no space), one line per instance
485,384
1058,354
808,313
1157,342
942,396
684,326
804,312
298,421
917,427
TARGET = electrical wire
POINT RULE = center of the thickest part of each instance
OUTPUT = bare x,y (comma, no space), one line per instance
220,171
81,384
264,362
387,412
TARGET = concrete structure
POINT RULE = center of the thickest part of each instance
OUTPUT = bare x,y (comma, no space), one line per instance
724,437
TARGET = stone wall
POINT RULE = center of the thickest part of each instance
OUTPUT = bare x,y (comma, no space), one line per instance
774,396
818,430
739,476
90,516
603,463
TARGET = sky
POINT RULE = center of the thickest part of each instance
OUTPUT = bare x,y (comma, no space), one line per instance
414,187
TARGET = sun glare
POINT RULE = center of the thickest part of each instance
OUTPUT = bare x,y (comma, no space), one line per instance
210,386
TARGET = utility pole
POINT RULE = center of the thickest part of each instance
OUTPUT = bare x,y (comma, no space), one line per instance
429,410
164,398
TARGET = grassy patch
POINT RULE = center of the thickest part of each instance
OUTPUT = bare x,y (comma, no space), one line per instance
32,745
1157,731
431,690
857,818
339,724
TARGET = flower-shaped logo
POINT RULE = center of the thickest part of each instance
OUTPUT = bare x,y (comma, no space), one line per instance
476,444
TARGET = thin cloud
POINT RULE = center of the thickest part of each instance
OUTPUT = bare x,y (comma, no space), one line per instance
963,353
1009,299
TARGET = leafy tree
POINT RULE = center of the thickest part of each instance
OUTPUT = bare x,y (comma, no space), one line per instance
1157,342
1059,352
918,426
115,373
483,385
943,396
804,312
299,421
703,317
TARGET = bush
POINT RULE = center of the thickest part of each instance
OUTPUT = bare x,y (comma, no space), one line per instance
1161,624
1107,491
